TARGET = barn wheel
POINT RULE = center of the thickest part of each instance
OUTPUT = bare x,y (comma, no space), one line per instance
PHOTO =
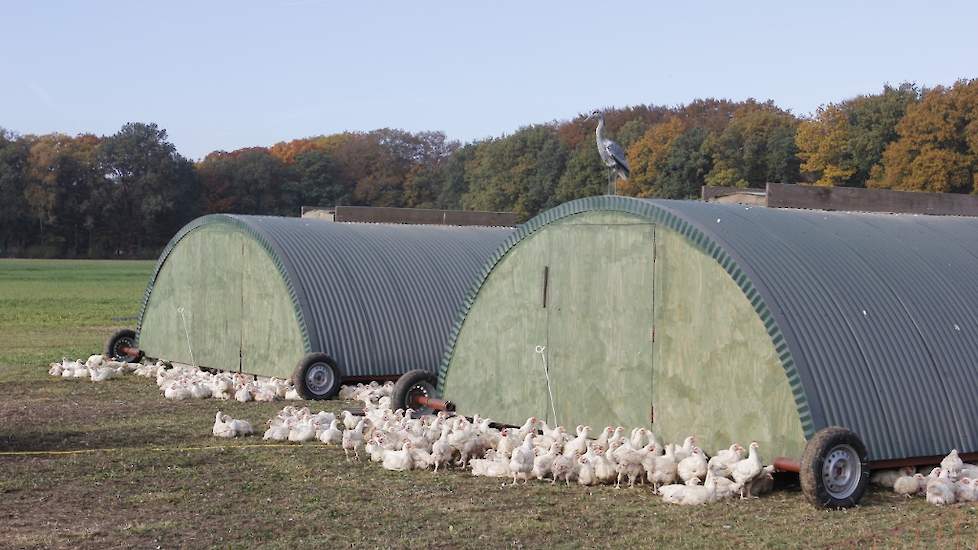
317,377
411,384
834,470
121,339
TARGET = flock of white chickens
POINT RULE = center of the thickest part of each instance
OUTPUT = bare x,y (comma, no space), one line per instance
97,368
952,481
181,382
679,473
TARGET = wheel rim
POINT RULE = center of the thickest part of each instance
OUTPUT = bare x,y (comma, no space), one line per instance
421,389
841,471
117,348
319,378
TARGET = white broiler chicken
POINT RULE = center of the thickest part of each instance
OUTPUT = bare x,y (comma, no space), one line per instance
966,490
492,465
693,466
349,420
506,444
221,428
399,461
332,435
630,464
602,442
243,394
585,468
578,446
908,485
528,427
639,438
291,394
604,470
241,427
952,464
442,450
543,464
303,431
664,470
521,463
225,426
886,478
564,467
725,487
585,473
375,448
177,392
686,449
722,461
421,458
691,495
744,471
353,440
941,490
277,431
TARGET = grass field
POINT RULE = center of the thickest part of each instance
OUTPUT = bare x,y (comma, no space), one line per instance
143,471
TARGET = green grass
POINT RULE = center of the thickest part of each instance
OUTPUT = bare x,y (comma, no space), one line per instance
157,486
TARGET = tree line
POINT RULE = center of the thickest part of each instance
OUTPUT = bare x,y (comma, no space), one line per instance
128,193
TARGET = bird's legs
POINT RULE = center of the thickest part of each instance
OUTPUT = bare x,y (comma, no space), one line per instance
611,181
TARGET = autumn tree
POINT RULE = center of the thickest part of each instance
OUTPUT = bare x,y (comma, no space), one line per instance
844,141
67,192
824,147
647,155
937,148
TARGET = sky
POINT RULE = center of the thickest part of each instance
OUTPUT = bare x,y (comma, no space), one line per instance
228,74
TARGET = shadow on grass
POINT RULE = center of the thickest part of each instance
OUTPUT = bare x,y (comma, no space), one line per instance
73,440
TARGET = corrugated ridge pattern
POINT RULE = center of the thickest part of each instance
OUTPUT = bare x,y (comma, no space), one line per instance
379,298
873,315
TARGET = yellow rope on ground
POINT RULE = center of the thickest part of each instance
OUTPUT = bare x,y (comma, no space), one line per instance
163,449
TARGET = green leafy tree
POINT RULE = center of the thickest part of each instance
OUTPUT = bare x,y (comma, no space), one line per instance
16,225
517,173
758,146
319,180
683,171
584,175
156,190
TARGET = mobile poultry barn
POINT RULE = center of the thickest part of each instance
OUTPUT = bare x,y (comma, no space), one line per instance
849,340
314,300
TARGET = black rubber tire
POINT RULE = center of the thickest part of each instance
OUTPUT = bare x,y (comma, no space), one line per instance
812,460
317,361
118,338
407,381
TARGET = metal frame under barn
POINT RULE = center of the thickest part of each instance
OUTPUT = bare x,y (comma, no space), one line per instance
256,294
733,323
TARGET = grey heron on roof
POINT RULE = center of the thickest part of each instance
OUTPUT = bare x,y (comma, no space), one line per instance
611,153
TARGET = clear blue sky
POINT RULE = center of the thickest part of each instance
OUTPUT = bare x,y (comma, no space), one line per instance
223,74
